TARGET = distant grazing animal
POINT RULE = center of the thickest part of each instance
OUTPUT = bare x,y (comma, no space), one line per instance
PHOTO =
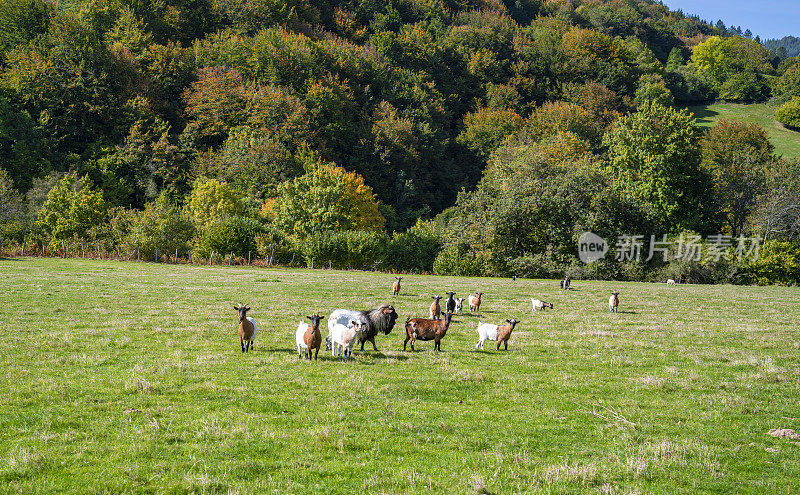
537,305
565,282
247,327
343,338
475,301
459,305
450,305
500,333
396,286
380,319
308,337
613,302
670,282
422,329
435,311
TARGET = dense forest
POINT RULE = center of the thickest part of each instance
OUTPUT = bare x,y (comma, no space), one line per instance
790,45
456,136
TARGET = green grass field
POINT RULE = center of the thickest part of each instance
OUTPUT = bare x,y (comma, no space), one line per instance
786,142
674,394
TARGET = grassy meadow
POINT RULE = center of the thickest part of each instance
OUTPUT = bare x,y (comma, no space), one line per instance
128,378
786,141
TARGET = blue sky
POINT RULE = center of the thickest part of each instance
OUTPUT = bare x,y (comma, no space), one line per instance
766,18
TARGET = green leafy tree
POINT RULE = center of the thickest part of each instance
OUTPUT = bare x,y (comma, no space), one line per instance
788,114
738,156
235,235
326,198
162,227
72,209
653,89
212,200
655,154
485,129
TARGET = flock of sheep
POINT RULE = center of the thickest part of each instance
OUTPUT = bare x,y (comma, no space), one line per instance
345,326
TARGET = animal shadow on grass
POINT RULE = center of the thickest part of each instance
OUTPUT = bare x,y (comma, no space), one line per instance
628,312
273,349
378,355
2,258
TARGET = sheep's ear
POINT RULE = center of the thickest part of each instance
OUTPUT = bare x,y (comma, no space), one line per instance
236,308
310,317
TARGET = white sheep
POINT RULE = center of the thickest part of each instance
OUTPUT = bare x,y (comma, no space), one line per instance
459,305
499,333
613,302
670,282
540,305
343,337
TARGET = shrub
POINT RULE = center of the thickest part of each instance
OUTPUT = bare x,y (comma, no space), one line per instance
414,250
235,235
456,261
161,227
778,263
344,249
789,113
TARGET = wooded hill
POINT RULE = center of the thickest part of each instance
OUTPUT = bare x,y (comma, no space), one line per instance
167,100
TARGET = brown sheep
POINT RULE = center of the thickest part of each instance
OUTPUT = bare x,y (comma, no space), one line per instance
475,302
396,286
436,310
308,337
247,327
426,329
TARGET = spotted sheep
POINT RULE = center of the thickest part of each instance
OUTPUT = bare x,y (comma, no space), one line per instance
475,301
540,305
427,329
613,302
343,337
435,311
308,337
459,305
374,321
247,327
500,333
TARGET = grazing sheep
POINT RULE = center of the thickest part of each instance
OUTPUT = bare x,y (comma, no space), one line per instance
670,282
345,336
308,337
247,327
475,301
422,329
459,305
380,319
435,311
540,305
396,286
613,302
450,305
500,333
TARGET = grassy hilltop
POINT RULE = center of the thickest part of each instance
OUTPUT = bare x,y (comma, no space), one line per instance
675,394
786,141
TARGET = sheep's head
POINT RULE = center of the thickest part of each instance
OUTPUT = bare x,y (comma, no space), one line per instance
390,316
315,318
242,309
512,322
450,295
436,298
399,278
358,326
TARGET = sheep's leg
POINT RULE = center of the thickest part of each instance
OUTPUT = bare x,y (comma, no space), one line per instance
406,342
506,344
316,353
241,343
374,347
